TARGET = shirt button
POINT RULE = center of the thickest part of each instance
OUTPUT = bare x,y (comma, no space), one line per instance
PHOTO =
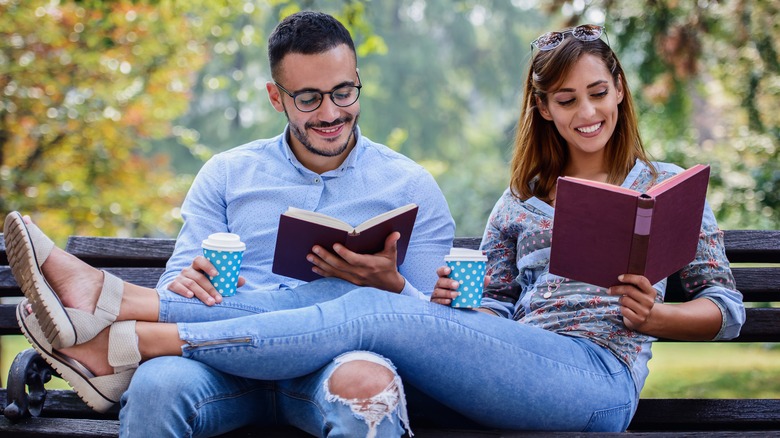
316,180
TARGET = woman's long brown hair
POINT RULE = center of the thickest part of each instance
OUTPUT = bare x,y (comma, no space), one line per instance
540,153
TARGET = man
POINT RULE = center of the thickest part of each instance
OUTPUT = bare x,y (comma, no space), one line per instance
322,163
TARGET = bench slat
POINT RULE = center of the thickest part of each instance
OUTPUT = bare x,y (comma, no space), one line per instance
762,325
757,246
757,284
53,427
739,415
114,251
706,414
146,277
752,246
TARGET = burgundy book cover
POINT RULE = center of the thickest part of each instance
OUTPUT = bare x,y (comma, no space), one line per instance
296,237
598,235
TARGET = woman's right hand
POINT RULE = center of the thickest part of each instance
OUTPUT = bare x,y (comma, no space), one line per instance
193,281
446,288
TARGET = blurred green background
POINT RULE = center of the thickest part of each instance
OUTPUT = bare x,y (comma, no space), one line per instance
109,108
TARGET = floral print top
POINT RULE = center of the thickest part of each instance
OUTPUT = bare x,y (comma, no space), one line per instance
517,243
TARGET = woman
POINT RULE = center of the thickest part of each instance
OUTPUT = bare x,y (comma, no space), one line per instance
544,352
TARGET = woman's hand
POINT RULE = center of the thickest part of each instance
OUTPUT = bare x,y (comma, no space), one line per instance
446,289
637,300
696,320
193,281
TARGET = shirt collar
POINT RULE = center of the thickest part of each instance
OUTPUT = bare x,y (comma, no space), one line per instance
633,174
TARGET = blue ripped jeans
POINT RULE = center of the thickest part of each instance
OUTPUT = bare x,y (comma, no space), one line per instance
496,372
191,399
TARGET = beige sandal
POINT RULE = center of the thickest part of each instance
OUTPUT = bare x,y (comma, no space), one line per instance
27,248
99,393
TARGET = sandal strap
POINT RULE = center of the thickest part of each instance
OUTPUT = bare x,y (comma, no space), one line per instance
123,353
110,297
86,325
112,386
41,243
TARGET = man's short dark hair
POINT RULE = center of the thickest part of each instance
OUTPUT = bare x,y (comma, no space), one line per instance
307,33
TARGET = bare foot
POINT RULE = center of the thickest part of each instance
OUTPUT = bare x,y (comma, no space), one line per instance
92,354
76,283
154,340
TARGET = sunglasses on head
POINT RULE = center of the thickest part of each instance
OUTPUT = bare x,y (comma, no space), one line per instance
583,32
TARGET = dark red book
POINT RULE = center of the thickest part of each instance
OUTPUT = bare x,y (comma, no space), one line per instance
300,230
601,231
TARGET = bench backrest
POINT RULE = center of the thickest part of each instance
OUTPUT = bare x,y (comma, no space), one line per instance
754,254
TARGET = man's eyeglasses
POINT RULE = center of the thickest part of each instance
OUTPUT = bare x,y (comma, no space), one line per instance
583,32
309,100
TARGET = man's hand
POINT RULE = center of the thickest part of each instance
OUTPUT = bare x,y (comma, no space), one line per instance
637,299
375,270
192,281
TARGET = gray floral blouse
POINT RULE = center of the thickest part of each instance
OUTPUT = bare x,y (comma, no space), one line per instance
517,243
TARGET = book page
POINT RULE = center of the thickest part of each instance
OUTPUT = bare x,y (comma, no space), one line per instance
318,218
677,179
603,185
383,217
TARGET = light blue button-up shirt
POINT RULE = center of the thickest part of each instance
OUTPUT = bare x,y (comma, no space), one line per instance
245,189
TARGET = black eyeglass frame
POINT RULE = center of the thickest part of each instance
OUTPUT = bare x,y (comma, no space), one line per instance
576,32
322,95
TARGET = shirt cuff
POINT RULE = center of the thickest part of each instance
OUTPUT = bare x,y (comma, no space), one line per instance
411,291
723,333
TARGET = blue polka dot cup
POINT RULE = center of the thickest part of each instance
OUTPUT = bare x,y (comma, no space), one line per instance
467,267
224,251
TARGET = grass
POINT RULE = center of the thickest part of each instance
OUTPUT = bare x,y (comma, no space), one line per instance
10,347
677,370
713,370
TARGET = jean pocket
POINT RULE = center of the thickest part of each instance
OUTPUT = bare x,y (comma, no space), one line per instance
610,420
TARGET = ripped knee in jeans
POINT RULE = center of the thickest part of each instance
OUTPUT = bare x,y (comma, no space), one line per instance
369,385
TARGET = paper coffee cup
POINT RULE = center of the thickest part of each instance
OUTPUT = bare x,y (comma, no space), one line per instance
224,251
467,267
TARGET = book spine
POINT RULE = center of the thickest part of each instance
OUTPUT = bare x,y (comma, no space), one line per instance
637,259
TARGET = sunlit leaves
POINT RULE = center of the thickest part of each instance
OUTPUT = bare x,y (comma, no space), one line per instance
709,87
83,85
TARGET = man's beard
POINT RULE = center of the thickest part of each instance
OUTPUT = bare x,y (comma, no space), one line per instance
302,137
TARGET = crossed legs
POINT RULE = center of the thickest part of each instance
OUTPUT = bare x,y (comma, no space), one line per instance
368,389
78,285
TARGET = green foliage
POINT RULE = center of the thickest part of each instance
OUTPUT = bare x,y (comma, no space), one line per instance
707,74
82,87
450,81
107,109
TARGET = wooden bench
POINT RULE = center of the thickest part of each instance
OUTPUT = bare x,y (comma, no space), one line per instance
33,411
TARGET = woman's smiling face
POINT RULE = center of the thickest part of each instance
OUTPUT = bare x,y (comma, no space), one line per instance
584,108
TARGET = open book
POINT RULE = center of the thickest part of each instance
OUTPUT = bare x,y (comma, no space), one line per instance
601,231
300,230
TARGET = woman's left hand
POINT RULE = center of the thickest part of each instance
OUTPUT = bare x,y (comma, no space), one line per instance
446,288
637,299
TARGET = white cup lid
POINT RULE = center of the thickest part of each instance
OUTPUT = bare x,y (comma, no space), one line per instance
224,242
465,254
